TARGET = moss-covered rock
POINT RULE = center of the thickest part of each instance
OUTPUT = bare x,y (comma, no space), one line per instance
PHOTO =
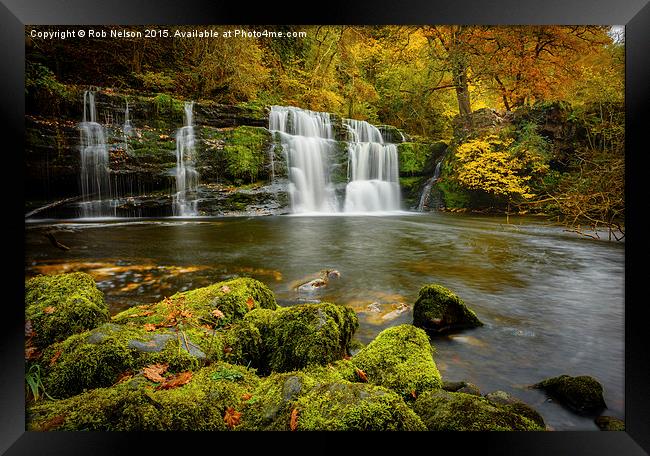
325,402
609,423
136,405
232,298
401,359
504,401
583,394
61,305
461,387
439,310
444,411
308,334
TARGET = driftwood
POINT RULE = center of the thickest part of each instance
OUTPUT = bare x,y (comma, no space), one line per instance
54,242
56,203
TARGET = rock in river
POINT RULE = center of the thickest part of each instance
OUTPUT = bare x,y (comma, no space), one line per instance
439,310
582,394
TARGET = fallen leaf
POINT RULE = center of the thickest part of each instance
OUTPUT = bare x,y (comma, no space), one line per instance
362,375
49,309
293,424
124,376
414,394
149,327
227,350
250,303
186,314
154,372
55,357
53,423
231,417
176,380
225,289
218,314
245,397
31,353
29,331
347,357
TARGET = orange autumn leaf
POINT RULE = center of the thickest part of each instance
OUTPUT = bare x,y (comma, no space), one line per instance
225,289
347,357
149,327
55,357
231,417
32,353
186,314
49,309
124,376
218,314
53,423
227,350
362,375
176,380
250,303
414,394
154,372
293,424
245,397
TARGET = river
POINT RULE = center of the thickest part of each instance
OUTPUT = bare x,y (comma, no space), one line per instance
552,301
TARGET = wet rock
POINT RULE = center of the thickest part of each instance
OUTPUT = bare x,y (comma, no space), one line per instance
393,314
373,307
444,411
505,401
59,306
609,423
583,394
439,310
461,387
312,285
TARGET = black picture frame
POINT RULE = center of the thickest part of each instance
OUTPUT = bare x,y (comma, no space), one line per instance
634,14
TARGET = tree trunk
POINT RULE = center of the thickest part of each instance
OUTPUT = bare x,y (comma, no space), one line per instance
462,91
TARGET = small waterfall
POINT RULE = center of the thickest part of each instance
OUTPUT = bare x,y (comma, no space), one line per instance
127,128
187,178
307,140
373,171
426,193
95,182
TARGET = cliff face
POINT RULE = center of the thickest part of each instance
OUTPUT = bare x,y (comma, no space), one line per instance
242,167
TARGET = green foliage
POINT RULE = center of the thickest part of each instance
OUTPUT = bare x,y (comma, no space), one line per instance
413,157
156,81
245,152
34,383
38,77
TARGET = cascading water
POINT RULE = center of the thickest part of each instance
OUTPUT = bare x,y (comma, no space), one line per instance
373,171
426,193
307,140
127,128
187,178
95,182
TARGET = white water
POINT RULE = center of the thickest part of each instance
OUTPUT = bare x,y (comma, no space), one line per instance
373,171
187,178
95,182
306,138
426,193
127,128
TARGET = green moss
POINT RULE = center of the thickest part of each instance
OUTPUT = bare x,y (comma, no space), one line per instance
444,411
413,157
97,358
61,305
504,401
401,359
233,298
325,402
609,423
135,405
439,310
583,394
309,334
246,152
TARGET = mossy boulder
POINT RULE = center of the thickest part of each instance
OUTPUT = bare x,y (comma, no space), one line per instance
444,411
461,387
505,401
609,423
231,298
306,334
401,359
324,402
583,394
59,306
439,310
137,405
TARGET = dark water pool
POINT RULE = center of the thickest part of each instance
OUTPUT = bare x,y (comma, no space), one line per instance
552,302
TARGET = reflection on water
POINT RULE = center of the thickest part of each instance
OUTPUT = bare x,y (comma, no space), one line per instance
552,302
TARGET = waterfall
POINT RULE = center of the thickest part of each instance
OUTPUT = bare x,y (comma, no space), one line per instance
187,178
373,171
426,193
95,183
307,141
127,128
